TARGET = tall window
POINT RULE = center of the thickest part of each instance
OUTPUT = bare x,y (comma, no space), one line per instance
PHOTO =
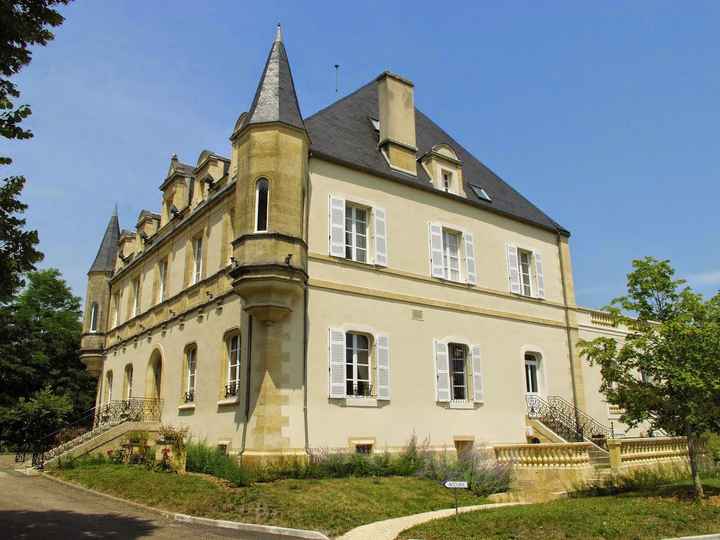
525,261
261,205
108,387
136,297
197,259
447,181
458,372
191,374
128,381
356,220
94,317
162,275
532,370
357,365
116,309
451,255
233,373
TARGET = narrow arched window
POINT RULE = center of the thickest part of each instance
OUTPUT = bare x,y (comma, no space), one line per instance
94,317
261,205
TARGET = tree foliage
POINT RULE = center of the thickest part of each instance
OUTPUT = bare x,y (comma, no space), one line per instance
667,371
39,339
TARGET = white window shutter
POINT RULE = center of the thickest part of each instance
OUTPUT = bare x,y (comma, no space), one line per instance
382,344
470,258
442,371
337,363
478,386
513,269
437,266
539,278
380,226
337,227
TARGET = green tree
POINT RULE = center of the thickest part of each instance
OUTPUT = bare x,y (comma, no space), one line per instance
33,420
667,371
39,347
23,24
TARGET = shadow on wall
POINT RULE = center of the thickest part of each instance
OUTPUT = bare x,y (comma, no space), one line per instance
33,525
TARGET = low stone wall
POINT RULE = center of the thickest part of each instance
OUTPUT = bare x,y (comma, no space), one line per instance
647,452
546,468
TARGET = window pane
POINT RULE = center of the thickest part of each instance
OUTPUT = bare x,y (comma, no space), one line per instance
362,342
262,205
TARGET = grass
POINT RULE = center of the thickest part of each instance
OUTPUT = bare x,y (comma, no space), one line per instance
332,506
662,512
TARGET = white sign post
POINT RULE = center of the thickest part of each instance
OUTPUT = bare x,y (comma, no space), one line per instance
455,485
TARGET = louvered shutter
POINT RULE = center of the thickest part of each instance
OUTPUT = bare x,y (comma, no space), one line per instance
442,371
437,266
337,363
380,227
478,387
383,366
337,227
470,258
539,278
513,269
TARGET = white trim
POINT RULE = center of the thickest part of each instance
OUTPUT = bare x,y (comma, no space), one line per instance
542,370
94,309
230,401
186,407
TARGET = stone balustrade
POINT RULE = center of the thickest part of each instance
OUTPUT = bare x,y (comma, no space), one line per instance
647,451
544,456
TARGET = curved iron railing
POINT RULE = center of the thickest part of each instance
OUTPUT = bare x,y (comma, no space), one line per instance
568,421
92,423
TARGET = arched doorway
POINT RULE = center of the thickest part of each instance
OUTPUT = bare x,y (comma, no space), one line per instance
153,377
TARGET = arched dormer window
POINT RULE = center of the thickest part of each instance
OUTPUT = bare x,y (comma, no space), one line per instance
262,196
94,317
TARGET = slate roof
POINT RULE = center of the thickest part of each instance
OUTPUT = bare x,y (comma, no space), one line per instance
343,132
275,97
106,255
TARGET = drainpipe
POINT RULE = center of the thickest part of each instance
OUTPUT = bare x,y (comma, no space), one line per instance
305,373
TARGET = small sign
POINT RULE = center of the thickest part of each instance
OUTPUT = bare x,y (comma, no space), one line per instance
450,484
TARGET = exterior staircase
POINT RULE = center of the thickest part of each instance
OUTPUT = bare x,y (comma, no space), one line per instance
98,427
557,418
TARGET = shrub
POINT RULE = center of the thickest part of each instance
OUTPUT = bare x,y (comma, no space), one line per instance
174,436
205,459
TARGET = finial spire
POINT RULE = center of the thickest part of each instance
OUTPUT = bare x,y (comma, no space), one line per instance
278,33
115,211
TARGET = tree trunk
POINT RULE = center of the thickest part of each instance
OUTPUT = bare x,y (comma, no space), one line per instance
693,454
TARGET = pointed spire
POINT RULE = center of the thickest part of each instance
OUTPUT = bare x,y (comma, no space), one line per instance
105,258
275,97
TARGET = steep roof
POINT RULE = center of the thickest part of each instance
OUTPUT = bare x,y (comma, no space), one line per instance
343,131
275,97
106,255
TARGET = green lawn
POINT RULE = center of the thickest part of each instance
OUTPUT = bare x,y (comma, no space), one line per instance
664,513
333,506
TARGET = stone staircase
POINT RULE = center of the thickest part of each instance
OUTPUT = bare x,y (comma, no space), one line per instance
109,422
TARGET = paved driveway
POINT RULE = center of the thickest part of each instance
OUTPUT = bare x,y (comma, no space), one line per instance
32,507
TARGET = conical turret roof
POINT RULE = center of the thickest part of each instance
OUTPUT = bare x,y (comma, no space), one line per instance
106,255
275,97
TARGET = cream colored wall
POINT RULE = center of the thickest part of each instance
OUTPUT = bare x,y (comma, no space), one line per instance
504,325
208,420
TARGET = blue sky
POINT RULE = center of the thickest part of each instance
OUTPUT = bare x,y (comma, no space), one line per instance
603,114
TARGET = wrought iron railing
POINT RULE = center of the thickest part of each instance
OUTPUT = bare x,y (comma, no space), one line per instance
361,390
231,390
190,396
568,421
92,423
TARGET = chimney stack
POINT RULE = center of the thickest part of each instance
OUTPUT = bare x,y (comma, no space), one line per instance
396,104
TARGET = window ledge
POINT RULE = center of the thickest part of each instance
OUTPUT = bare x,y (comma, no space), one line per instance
360,402
462,404
229,401
186,407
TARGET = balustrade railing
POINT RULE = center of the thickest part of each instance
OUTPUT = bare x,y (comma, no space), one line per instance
652,450
551,455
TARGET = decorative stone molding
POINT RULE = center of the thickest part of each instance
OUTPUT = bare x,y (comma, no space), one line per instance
544,456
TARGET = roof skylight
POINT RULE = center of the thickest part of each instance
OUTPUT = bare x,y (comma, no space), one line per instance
481,193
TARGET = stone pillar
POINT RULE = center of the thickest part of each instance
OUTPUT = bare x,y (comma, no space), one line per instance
615,450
